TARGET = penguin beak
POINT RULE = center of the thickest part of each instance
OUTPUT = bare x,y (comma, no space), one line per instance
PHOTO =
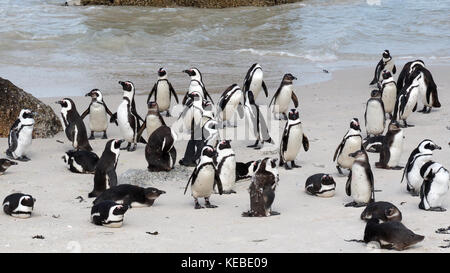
120,141
295,78
352,154
88,94
438,147
58,102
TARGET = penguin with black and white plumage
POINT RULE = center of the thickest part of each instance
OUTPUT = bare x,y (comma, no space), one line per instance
386,63
204,178
391,148
407,101
153,120
105,172
292,140
427,88
388,92
97,111
196,85
351,142
80,161
225,162
228,103
390,235
320,184
282,98
404,78
5,164
160,151
129,195
19,205
419,156
254,81
245,170
383,211
262,189
374,116
163,92
108,214
128,118
435,186
20,136
256,119
210,132
360,182
73,125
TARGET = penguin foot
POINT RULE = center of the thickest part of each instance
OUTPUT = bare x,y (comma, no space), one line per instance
229,192
293,165
91,137
187,164
339,170
168,114
197,206
133,148
355,204
397,168
23,159
413,193
257,148
210,206
104,136
437,209
287,167
272,213
127,148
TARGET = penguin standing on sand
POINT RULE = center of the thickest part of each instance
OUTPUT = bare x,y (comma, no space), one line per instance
73,125
351,143
105,172
284,95
130,195
375,116
128,118
20,136
228,103
320,184
436,183
386,63
5,164
293,138
225,162
97,110
419,156
204,178
404,78
108,214
254,116
391,148
196,85
19,205
163,92
153,120
360,182
407,101
383,211
80,161
160,151
388,92
254,81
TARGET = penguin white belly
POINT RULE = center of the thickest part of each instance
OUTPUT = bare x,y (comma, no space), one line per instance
163,96
98,121
352,145
413,177
114,221
256,83
439,188
24,141
283,99
294,143
231,106
423,92
326,191
412,101
152,123
375,118
396,150
77,166
228,173
124,125
360,187
204,184
22,211
389,97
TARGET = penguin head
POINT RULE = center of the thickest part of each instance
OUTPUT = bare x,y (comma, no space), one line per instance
288,78
386,74
354,124
162,73
127,86
393,214
207,105
327,179
194,73
360,155
375,93
153,105
194,96
224,144
26,114
208,151
152,193
95,94
386,54
114,144
119,209
66,104
428,145
27,200
293,114
394,126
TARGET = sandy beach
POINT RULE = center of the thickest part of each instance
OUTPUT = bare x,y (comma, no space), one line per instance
306,223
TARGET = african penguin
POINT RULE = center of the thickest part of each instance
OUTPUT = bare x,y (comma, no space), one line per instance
388,92
390,235
105,172
20,136
436,183
108,214
163,92
262,189
5,164
360,182
97,111
427,89
351,142
284,95
196,85
320,184
386,63
228,103
160,151
407,101
383,211
153,120
293,138
254,81
73,125
404,78
204,178
419,156
225,162
391,148
19,205
374,116
80,161
130,195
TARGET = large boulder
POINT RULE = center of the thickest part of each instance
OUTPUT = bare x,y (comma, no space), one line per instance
13,99
189,3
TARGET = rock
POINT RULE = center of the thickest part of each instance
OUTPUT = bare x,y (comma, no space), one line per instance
13,99
188,3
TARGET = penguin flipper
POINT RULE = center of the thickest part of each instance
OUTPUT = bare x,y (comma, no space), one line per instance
207,94
141,130
265,89
112,177
348,188
394,69
240,109
415,108
86,112
183,102
377,72
113,118
191,179
275,96
110,114
13,136
294,99
218,182
173,92
338,149
305,143
152,92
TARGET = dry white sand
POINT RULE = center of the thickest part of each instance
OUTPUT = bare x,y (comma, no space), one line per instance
306,223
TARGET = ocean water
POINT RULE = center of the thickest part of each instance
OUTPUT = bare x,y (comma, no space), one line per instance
52,50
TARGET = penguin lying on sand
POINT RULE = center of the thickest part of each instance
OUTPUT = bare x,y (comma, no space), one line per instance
108,214
130,195
19,205
383,211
